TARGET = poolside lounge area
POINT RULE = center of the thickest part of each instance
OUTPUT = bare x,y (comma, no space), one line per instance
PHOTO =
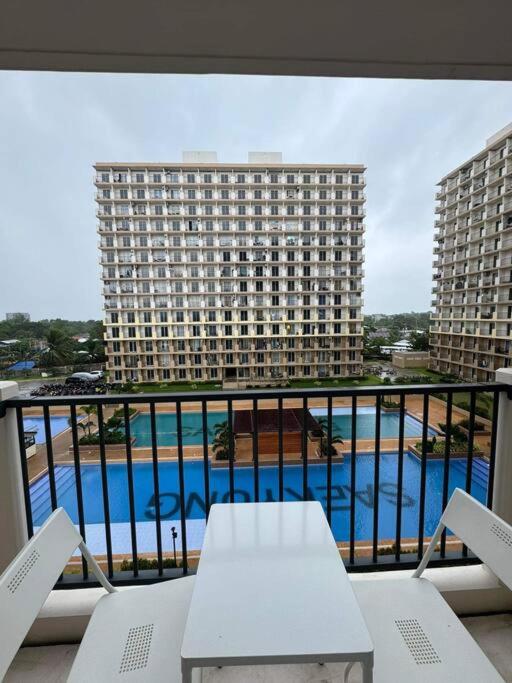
62,443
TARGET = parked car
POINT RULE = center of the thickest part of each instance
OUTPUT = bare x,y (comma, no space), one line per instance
78,377
97,373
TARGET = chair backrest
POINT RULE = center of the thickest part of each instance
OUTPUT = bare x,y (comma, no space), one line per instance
28,580
486,534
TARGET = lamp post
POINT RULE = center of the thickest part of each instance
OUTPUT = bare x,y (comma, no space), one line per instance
174,537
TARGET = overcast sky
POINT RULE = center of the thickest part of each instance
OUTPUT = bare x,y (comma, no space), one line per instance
53,127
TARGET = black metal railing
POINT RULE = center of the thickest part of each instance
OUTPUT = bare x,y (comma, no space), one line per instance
373,551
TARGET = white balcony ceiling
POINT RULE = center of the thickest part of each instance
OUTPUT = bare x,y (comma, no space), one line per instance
397,38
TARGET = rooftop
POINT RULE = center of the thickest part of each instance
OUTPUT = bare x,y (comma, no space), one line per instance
293,420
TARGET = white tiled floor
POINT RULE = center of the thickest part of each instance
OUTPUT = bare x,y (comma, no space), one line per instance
52,664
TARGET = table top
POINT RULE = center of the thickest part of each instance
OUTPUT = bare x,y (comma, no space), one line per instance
271,587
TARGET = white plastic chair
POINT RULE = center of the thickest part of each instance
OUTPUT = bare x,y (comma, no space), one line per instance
416,634
133,635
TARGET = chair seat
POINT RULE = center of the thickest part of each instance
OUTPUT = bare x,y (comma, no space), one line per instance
417,636
136,635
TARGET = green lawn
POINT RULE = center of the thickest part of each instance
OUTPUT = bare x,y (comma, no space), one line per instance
165,387
312,383
425,372
368,380
168,387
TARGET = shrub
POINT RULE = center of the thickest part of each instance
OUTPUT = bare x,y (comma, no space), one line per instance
391,405
430,444
448,379
415,379
482,411
456,447
437,394
438,447
144,563
111,438
479,426
391,550
456,433
119,412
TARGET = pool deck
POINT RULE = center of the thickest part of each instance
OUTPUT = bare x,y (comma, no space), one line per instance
37,464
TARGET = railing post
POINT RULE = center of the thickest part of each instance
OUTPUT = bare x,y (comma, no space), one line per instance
502,491
13,521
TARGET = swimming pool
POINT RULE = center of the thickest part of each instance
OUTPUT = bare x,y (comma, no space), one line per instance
166,428
58,424
268,481
192,425
365,424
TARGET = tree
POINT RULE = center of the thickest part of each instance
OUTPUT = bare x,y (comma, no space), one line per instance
85,425
97,331
324,445
59,348
113,432
372,346
94,349
221,440
419,341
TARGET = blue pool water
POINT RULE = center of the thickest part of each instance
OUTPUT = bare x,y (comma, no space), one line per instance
365,424
166,428
192,426
57,425
268,480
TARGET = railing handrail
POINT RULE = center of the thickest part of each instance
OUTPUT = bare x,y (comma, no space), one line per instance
248,394
13,408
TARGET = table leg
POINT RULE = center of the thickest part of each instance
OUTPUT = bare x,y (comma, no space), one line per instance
186,673
367,672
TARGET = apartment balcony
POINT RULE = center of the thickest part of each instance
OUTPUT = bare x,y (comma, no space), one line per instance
381,534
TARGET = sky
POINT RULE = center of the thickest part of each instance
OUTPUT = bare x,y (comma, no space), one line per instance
54,127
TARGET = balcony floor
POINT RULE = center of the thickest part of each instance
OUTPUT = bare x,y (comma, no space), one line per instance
52,664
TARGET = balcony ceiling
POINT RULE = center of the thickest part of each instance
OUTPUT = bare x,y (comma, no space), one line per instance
457,39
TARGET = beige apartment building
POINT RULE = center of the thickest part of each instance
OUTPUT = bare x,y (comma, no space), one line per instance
246,272
471,329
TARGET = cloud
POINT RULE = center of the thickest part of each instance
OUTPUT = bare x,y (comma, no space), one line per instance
53,127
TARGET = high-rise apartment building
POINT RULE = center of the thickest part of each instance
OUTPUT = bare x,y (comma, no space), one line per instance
249,272
471,331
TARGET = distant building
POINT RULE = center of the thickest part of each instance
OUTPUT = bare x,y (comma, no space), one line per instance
381,332
402,345
471,333
411,359
243,272
4,343
80,339
25,317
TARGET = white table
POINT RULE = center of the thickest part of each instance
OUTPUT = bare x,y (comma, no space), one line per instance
271,588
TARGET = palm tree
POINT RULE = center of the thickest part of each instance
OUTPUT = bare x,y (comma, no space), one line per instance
335,438
221,440
59,348
94,349
86,425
